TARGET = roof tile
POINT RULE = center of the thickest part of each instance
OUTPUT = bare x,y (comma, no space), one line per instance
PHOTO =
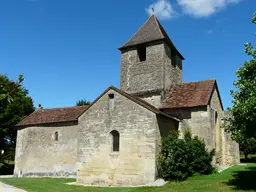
191,94
54,115
150,31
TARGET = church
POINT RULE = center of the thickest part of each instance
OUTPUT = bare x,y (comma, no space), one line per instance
116,140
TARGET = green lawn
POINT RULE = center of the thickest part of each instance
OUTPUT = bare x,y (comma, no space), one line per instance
239,178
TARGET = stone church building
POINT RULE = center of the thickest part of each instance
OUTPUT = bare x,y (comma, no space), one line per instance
117,138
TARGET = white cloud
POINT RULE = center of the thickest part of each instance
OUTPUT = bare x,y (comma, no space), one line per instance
163,9
203,8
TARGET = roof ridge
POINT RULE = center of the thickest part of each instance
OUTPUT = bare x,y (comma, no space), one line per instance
159,25
67,107
198,81
137,31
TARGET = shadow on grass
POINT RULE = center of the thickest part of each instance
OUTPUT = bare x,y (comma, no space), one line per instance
244,180
249,160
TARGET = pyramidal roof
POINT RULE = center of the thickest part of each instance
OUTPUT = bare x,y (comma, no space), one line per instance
150,31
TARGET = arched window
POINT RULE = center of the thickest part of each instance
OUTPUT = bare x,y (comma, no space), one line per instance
56,136
115,137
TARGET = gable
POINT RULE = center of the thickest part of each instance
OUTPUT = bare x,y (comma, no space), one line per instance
215,100
113,105
104,98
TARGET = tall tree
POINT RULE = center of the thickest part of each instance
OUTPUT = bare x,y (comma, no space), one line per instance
15,104
243,123
82,102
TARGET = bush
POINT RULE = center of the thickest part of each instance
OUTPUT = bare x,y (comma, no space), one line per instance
182,158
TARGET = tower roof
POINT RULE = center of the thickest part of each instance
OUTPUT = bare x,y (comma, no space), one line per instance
150,31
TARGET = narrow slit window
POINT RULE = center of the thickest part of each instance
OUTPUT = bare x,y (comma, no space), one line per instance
142,53
56,136
115,140
173,57
111,101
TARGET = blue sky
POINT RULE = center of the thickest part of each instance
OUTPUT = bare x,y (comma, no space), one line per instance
67,49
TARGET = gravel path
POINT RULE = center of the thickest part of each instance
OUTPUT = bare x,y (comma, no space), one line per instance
8,188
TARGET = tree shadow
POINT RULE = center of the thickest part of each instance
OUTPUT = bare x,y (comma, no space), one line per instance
244,180
249,160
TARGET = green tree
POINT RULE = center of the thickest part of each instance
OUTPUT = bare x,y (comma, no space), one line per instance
242,125
182,158
82,102
15,104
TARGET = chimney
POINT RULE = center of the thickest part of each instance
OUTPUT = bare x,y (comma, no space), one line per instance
40,108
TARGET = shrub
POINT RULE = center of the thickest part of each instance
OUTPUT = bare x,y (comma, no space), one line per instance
182,158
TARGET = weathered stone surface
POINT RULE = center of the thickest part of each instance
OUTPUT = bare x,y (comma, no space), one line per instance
135,163
196,119
159,72
38,154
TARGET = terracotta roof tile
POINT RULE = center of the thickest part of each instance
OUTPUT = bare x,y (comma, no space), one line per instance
190,94
54,115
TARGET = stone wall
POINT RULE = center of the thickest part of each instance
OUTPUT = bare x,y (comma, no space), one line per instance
227,150
231,154
156,74
135,163
196,119
215,110
38,154
155,100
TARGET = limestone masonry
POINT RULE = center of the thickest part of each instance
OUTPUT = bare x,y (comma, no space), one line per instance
115,141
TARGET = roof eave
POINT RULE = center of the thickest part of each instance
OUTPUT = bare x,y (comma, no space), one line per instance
45,124
126,47
183,107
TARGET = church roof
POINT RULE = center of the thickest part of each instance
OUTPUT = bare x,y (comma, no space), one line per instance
136,100
191,94
71,114
54,115
150,31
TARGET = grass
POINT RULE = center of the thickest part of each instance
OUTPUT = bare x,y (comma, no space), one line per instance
238,178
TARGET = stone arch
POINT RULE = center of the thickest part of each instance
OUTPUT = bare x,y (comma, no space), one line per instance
115,141
56,136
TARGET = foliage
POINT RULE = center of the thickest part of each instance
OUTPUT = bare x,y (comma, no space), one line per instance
242,125
248,146
182,158
8,92
15,104
82,102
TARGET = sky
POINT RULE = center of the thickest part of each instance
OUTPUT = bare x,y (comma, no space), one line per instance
67,49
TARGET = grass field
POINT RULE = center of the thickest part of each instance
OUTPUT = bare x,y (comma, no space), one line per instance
238,178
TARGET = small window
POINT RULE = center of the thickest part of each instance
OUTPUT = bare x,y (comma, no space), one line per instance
115,140
111,101
173,57
142,53
111,96
56,136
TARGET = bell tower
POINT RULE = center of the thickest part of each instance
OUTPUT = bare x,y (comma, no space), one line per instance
150,63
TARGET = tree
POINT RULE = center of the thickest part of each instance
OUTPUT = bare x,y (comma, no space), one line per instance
242,124
8,92
82,102
15,104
